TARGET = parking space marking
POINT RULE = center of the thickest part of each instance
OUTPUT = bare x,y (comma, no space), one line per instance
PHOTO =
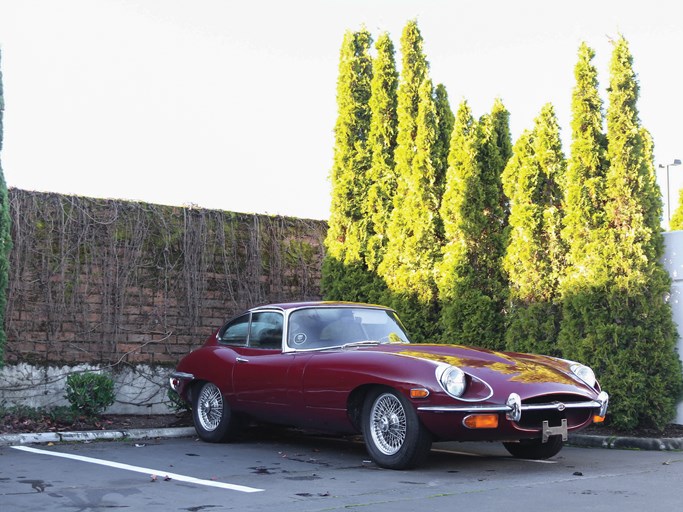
138,469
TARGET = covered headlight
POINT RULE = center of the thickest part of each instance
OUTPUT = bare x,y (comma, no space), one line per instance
584,373
453,381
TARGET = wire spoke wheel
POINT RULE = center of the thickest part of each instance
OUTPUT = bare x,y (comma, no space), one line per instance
210,407
388,424
394,436
212,414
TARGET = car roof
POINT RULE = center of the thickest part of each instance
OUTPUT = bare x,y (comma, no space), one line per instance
316,304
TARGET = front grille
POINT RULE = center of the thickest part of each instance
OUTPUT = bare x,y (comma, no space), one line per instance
533,419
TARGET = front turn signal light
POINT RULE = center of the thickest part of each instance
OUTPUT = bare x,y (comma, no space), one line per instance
598,419
419,393
481,421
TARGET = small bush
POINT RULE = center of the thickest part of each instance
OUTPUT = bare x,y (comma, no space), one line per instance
61,415
22,418
89,393
19,411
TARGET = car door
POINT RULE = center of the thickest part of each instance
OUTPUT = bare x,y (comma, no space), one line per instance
262,371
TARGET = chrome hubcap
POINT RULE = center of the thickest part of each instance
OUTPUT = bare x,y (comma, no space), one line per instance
388,424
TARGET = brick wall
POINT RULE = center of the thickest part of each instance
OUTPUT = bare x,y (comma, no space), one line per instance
110,283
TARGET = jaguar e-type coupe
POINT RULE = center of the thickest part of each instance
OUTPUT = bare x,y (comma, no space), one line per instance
351,368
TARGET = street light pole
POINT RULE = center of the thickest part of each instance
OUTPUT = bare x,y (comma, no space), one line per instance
668,187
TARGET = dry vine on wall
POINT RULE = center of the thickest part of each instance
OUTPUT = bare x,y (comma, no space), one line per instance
112,282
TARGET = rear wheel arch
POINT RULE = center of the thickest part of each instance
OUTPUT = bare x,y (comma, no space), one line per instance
214,419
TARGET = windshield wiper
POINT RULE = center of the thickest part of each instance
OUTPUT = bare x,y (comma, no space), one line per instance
361,343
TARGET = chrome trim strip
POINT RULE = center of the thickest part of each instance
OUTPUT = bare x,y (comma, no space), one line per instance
468,408
561,406
182,375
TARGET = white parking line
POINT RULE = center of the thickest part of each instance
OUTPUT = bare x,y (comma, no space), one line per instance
138,469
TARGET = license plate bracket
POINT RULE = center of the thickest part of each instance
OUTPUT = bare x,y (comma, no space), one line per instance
560,430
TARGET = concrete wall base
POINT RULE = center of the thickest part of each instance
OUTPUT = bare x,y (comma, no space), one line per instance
139,389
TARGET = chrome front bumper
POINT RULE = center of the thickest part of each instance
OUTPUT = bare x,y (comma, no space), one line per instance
514,407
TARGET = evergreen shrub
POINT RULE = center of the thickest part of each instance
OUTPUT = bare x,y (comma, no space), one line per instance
90,393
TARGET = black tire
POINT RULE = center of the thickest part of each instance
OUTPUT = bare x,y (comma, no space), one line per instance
394,436
535,449
213,419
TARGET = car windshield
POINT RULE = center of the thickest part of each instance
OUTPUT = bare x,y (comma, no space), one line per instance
315,328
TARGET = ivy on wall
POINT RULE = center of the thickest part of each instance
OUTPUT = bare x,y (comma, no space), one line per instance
109,282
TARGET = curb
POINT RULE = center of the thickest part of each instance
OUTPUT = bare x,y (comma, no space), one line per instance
578,440
95,435
626,443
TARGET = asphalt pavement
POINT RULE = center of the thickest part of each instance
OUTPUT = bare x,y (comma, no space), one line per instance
291,471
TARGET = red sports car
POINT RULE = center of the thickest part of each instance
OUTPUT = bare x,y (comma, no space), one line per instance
349,368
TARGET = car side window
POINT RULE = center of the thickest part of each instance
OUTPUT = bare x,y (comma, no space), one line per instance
266,330
235,332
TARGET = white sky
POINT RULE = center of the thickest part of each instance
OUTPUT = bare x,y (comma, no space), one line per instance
231,105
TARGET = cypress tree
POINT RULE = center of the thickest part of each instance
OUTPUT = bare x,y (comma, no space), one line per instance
534,258
412,249
584,192
383,128
646,332
414,69
446,119
496,150
407,264
676,222
470,280
500,136
5,234
618,320
584,230
501,128
344,274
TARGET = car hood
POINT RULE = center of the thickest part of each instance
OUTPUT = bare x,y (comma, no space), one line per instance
492,366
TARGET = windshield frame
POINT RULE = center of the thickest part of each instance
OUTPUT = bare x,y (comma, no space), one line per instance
312,328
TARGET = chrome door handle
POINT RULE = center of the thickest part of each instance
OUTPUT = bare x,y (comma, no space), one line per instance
241,360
